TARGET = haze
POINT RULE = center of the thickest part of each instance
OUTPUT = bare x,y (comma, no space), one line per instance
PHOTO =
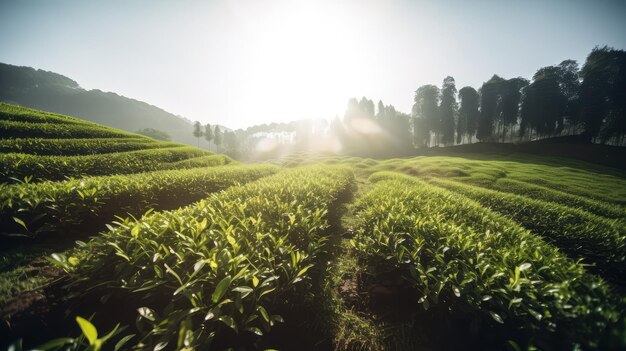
240,63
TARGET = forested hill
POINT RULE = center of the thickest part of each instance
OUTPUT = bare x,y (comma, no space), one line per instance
53,92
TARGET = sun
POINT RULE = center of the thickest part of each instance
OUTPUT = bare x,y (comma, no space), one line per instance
302,60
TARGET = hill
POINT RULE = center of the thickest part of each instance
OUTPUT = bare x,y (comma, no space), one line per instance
51,91
183,249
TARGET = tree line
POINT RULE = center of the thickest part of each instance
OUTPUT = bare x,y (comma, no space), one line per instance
558,100
219,138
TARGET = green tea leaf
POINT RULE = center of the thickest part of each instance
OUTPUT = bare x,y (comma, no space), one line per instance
20,222
496,317
88,329
220,289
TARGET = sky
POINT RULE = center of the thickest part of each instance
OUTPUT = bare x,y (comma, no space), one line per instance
246,62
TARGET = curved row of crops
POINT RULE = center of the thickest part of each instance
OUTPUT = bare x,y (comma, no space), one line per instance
76,147
212,160
61,167
42,146
580,234
211,272
16,129
563,198
465,262
22,114
71,206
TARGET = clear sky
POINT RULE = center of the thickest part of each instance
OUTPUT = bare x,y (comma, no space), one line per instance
245,62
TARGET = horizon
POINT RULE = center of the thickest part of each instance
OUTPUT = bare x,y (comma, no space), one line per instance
282,61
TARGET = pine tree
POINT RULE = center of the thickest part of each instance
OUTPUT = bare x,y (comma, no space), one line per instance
208,134
197,131
217,136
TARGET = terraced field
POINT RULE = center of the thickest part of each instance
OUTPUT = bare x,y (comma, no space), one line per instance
182,249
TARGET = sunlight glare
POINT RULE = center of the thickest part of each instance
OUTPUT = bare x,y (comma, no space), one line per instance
302,57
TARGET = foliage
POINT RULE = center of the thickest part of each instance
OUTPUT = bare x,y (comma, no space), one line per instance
468,113
21,114
489,107
447,110
425,107
200,161
218,136
75,147
602,93
154,134
208,133
72,207
18,166
15,129
543,193
221,262
467,262
87,341
580,234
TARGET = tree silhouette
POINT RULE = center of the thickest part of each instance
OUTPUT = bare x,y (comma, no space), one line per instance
353,111
543,107
511,93
447,110
421,134
197,131
569,81
425,106
367,107
208,133
217,136
230,140
380,114
468,114
602,94
490,98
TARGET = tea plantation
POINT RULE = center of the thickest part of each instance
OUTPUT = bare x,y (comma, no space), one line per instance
115,241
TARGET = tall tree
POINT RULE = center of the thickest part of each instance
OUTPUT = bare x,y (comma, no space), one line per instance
602,94
616,121
421,134
490,96
397,125
338,130
511,93
197,131
353,111
230,140
447,110
367,107
208,133
380,113
569,81
426,106
217,136
543,106
468,113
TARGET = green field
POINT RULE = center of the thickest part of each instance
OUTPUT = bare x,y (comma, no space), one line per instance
139,244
